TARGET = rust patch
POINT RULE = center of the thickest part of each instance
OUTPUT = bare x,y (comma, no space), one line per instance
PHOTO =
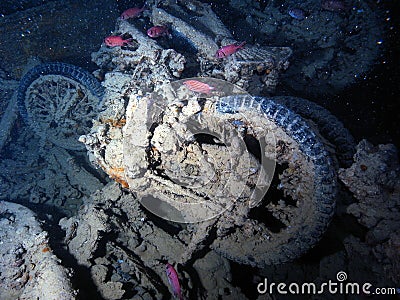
118,174
114,123
115,173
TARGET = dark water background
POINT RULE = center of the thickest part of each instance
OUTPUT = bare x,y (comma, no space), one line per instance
371,107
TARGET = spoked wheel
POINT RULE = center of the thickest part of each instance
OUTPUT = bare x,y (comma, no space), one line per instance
60,109
299,205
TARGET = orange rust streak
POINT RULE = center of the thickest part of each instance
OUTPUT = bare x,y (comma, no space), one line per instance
114,123
117,170
118,175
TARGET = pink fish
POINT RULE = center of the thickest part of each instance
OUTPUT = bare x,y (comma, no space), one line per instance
173,281
116,40
198,86
229,50
157,31
132,12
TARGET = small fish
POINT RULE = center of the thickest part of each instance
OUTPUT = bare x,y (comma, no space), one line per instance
198,86
132,12
173,280
297,13
157,31
116,40
334,5
227,50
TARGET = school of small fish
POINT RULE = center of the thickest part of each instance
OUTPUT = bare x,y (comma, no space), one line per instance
160,31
